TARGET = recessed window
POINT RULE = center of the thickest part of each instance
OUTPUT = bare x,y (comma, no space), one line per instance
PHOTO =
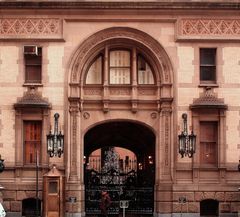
208,143
32,141
94,75
119,67
33,66
145,75
208,65
53,187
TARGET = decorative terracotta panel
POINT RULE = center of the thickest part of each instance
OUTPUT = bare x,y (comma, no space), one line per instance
209,28
30,28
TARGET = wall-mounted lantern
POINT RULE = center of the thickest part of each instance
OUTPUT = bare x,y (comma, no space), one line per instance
187,143
55,141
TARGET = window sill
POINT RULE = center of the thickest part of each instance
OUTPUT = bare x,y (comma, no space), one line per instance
32,84
208,85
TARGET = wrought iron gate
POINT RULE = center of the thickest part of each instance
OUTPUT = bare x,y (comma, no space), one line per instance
122,180
120,186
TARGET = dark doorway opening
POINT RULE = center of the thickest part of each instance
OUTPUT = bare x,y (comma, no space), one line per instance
120,159
209,208
29,207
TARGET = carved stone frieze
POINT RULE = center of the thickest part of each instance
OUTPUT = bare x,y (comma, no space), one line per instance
147,92
193,207
210,27
232,196
188,195
199,196
92,91
120,91
225,207
30,27
209,195
177,207
220,196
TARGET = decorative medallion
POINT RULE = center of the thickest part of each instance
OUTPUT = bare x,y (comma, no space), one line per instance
154,115
86,115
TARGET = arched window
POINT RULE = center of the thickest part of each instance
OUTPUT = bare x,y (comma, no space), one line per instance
121,66
94,75
145,75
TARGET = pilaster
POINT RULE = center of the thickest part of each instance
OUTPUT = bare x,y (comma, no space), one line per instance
74,132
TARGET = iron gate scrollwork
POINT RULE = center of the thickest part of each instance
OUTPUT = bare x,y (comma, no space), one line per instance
120,186
122,179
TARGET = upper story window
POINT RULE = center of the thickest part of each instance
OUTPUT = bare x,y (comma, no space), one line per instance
208,65
121,66
32,140
94,75
33,64
145,75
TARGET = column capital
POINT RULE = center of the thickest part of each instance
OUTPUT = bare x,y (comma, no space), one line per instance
74,105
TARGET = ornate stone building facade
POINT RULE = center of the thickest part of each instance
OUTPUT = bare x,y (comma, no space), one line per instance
120,74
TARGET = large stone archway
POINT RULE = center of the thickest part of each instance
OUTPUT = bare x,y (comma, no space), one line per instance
91,105
120,158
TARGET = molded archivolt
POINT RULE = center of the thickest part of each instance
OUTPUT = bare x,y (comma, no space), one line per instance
143,41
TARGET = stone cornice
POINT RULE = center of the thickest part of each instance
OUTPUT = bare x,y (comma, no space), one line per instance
142,4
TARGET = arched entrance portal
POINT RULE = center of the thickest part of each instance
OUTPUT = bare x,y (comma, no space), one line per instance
119,158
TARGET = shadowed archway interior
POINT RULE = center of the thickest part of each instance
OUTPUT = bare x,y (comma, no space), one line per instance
135,137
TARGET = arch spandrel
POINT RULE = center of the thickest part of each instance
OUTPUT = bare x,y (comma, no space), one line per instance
164,70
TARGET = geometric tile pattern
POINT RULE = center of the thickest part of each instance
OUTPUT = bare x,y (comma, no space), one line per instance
210,27
29,26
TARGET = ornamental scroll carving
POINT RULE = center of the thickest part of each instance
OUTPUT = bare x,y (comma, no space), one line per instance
30,27
210,27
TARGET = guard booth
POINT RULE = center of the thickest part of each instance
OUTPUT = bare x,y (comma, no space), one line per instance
53,193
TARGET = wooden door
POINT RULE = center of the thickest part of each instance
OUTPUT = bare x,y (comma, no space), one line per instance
53,198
